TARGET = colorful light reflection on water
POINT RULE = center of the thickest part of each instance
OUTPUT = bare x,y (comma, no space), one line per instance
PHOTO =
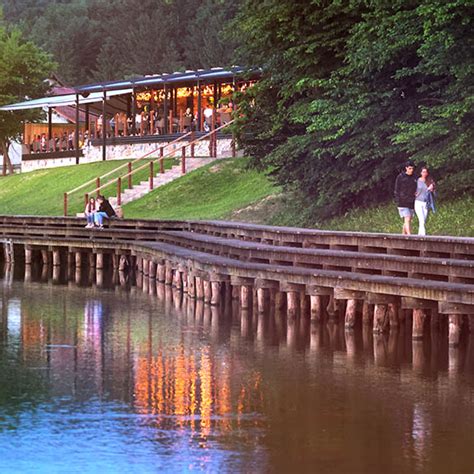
115,381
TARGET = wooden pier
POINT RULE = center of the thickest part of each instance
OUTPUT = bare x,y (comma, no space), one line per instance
376,280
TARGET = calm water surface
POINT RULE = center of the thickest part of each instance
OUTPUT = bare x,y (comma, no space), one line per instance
116,380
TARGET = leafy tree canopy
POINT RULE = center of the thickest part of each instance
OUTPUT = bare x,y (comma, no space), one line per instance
22,76
352,89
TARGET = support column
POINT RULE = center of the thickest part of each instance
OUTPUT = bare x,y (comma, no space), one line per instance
191,286
76,137
78,259
245,297
454,336
56,258
292,303
216,293
261,298
381,322
316,308
419,317
28,255
350,316
199,288
161,272
168,275
207,291
104,127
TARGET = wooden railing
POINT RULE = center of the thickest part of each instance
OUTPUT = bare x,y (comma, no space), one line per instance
118,181
212,136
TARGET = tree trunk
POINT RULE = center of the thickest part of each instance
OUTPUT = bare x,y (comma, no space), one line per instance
6,158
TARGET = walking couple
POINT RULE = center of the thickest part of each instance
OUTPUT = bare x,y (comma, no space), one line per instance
414,196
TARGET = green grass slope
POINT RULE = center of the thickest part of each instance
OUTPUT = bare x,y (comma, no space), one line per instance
210,192
454,217
41,192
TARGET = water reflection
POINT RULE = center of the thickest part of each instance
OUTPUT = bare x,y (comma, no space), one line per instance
190,386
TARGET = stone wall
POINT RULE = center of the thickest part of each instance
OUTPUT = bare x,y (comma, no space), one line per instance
131,151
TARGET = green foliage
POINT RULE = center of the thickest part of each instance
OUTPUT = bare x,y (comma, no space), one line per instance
351,89
103,40
23,70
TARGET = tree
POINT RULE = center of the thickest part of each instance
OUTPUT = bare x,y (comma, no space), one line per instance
352,89
23,74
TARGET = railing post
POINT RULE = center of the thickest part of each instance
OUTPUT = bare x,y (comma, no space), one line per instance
183,160
86,199
97,185
129,175
65,204
192,143
119,191
162,161
151,175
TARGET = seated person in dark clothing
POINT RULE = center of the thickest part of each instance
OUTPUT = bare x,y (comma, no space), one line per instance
105,211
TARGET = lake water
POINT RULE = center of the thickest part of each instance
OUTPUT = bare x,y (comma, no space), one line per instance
118,380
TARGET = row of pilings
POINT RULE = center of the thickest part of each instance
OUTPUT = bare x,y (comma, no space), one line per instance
382,313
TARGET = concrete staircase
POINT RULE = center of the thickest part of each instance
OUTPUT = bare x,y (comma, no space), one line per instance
143,188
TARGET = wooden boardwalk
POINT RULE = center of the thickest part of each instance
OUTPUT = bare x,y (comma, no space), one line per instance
380,280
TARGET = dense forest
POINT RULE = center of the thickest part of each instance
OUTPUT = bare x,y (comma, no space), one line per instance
350,88
103,40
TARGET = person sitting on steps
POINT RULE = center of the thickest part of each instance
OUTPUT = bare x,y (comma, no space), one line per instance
105,211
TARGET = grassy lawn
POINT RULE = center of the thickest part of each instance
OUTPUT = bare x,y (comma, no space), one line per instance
41,192
451,218
211,192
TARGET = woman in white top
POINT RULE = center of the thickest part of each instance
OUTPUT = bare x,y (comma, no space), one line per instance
424,186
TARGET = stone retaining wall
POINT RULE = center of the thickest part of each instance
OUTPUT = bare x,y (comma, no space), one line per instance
130,151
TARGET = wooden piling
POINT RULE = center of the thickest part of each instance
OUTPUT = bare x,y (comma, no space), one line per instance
99,261
316,308
454,329
245,297
168,274
28,255
261,299
207,291
292,304
419,317
350,316
161,272
216,293
56,258
191,286
381,322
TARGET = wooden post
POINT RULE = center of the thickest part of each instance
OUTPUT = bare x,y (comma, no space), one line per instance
151,175
162,160
419,316
65,204
393,315
350,316
233,145
183,160
104,127
56,258
161,273
76,132
199,288
86,199
261,297
117,122
367,313
171,122
216,293
122,263
130,183
381,322
152,269
168,275
99,261
97,185
78,259
292,304
244,297
454,329
191,286
193,137
316,308
207,291
119,191
28,255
